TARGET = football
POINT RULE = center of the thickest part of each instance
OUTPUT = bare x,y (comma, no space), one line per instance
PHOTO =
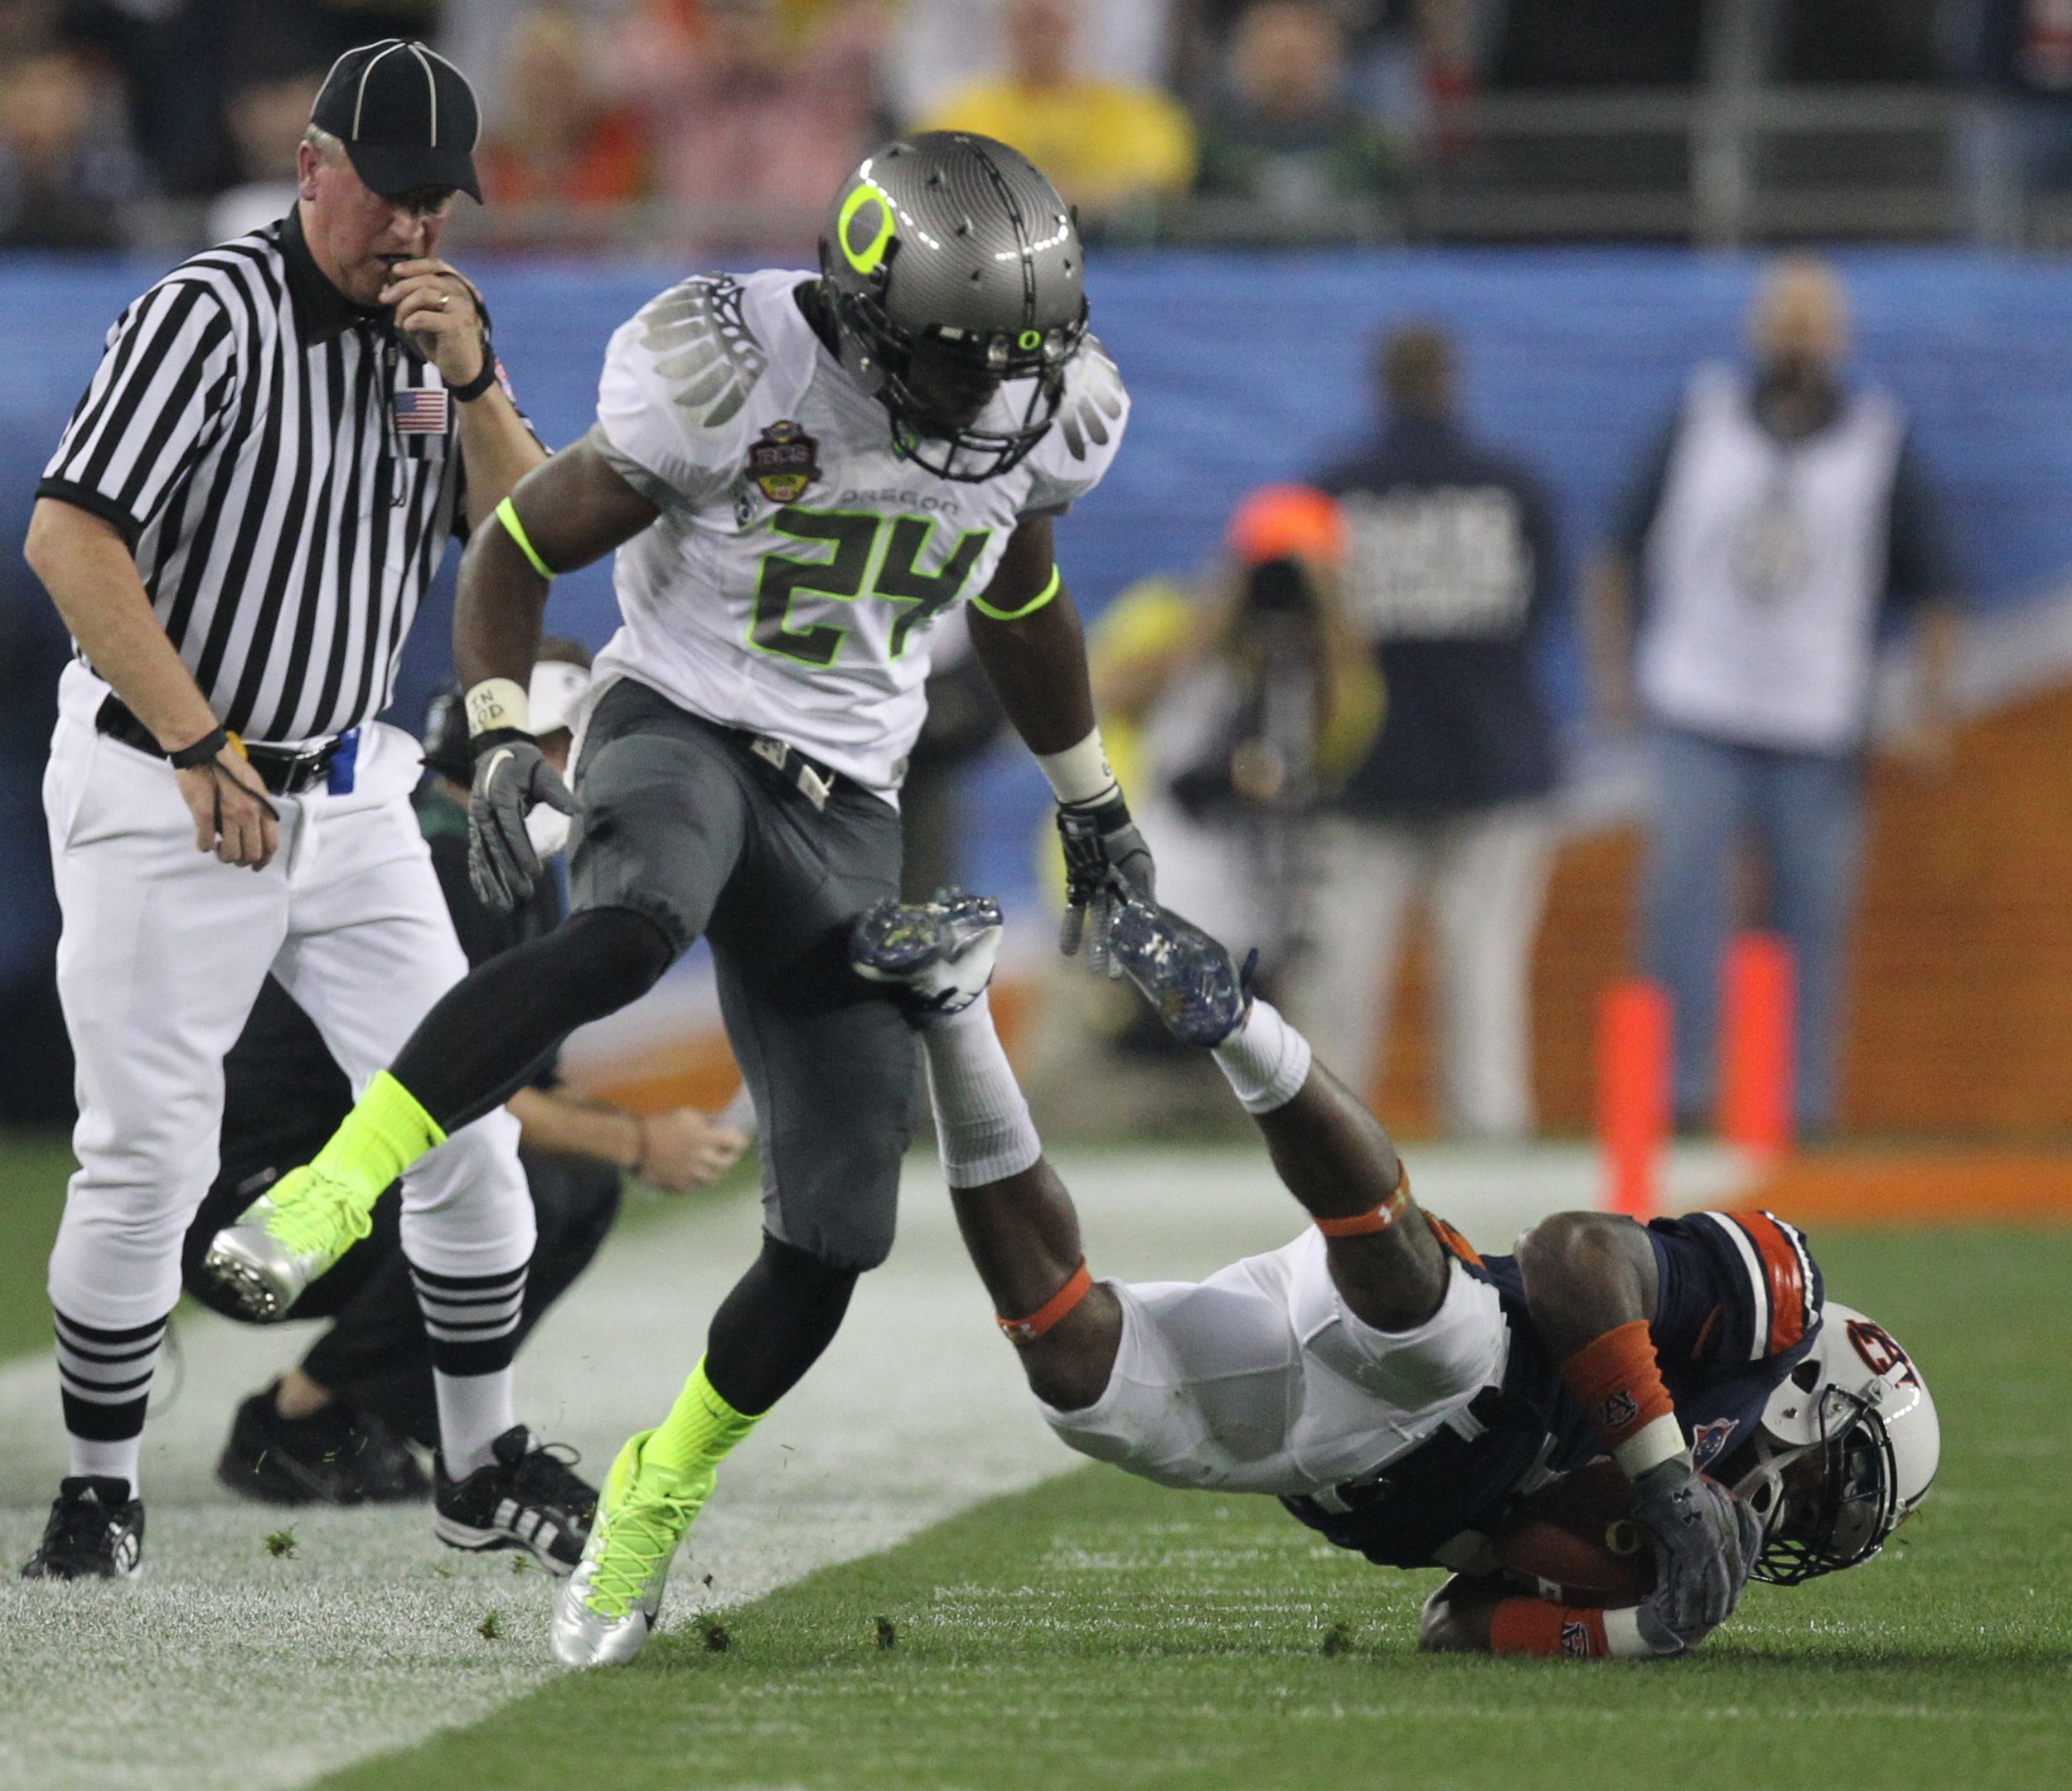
1575,1541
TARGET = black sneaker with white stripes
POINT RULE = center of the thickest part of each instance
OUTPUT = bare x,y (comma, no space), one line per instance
529,1497
96,1531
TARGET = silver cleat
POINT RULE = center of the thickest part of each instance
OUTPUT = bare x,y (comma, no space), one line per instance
605,1611
938,956
283,1241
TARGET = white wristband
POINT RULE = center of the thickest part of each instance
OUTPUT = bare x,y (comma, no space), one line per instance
1623,1640
1650,1446
498,703
1081,773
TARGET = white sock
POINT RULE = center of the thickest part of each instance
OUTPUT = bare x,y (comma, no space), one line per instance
1266,1061
474,1410
982,1125
115,1461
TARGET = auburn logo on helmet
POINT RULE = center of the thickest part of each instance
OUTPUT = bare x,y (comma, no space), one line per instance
1881,1352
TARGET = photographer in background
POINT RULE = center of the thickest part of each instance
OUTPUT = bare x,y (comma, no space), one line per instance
336,1428
1249,717
1451,572
1230,704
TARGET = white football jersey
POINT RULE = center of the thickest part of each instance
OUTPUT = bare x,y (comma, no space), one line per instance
794,579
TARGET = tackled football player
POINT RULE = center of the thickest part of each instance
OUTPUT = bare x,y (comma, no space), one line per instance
1603,1436
802,475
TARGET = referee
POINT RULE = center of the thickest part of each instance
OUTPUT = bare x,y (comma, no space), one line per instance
237,527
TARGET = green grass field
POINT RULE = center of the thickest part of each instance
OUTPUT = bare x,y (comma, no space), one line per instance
1099,1631
34,1167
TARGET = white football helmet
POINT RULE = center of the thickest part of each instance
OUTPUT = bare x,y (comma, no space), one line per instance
1847,1447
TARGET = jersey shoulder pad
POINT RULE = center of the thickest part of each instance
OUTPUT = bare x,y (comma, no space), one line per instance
677,378
1096,403
1076,452
702,348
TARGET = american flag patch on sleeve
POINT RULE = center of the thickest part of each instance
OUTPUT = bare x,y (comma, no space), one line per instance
422,410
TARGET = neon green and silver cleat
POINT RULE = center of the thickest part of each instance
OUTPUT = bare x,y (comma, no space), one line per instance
283,1240
604,1612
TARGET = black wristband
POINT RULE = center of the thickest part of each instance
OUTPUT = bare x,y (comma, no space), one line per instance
468,394
1108,812
202,751
482,743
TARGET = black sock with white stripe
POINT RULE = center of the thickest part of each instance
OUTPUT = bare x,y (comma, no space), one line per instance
104,1380
472,1323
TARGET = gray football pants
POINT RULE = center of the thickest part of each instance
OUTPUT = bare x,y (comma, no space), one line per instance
680,822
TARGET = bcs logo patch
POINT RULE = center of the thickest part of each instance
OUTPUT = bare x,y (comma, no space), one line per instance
784,462
1708,1442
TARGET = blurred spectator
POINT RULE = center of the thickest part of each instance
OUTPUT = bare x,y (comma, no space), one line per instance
1108,146
65,168
476,35
1783,521
941,46
266,118
1229,704
1452,572
560,156
1289,139
26,26
1405,58
1244,716
2015,143
755,126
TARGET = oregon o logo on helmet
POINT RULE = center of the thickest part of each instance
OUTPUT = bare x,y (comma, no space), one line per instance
868,259
1029,339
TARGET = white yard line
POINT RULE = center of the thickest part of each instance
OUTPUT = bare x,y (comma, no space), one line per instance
230,1667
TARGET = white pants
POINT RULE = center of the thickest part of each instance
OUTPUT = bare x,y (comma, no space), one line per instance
1259,1380
163,952
1483,877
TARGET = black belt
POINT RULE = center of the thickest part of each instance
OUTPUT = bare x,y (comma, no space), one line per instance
282,771
816,782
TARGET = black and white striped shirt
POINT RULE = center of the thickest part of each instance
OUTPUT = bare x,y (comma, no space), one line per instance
252,434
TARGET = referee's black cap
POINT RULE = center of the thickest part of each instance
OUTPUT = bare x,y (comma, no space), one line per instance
406,116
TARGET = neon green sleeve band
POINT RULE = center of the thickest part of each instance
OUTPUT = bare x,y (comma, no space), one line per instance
516,531
1042,597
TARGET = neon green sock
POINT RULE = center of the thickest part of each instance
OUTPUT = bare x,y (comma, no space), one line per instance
383,1136
701,1430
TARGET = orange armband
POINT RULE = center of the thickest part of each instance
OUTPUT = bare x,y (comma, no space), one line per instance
1618,1382
1054,1310
1533,1627
1381,1218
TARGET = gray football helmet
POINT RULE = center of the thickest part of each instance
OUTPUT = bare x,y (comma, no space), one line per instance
952,269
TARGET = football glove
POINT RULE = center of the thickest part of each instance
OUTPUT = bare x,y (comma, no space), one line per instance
511,776
1705,1540
1107,862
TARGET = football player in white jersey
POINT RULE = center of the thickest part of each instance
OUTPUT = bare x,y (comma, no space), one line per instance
802,475
1399,1392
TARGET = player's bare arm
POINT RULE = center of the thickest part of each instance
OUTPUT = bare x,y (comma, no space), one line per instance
1585,1274
1028,635
1034,651
1337,1159
569,510
93,582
